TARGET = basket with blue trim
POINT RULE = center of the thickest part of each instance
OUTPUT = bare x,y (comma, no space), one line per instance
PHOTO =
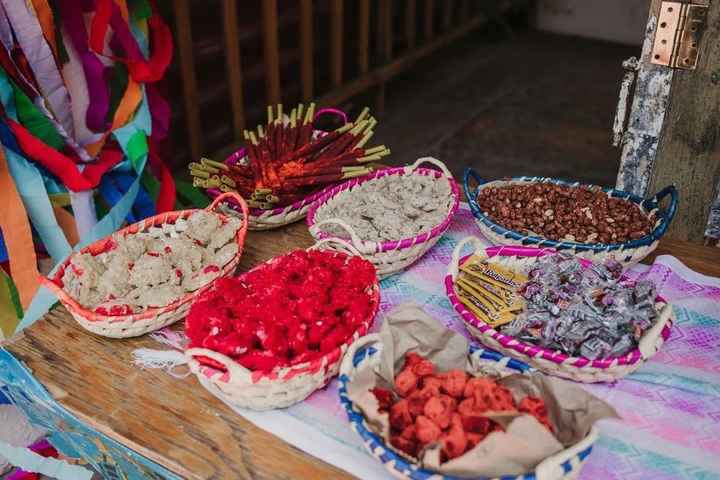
628,253
364,353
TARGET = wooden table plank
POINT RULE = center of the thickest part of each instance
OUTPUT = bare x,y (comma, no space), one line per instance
177,423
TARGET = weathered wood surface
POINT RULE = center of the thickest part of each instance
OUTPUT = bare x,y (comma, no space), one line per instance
177,423
689,150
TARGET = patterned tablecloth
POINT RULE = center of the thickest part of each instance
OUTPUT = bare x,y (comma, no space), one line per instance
670,407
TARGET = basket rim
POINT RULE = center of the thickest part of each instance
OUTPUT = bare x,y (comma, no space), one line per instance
389,245
53,283
284,372
391,459
654,235
529,350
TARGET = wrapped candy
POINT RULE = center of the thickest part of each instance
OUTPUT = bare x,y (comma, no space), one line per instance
580,311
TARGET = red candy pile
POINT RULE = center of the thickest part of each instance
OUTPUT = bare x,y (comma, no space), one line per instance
447,408
291,310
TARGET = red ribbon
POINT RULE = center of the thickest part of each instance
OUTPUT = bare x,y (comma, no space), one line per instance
166,197
107,13
61,165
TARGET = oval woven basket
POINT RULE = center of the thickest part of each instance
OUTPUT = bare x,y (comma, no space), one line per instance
133,325
260,219
552,362
392,256
628,253
363,354
283,386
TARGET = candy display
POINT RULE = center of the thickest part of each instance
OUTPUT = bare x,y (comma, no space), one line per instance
557,212
154,267
451,408
586,312
287,159
292,310
391,207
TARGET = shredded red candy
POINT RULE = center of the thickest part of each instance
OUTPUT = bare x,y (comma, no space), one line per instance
293,310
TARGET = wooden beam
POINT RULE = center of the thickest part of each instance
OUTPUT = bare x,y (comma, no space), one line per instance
386,8
364,36
336,42
234,70
306,49
448,6
429,19
187,75
270,47
688,152
410,17
386,72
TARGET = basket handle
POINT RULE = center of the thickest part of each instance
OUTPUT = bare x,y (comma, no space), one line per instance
469,195
346,366
455,260
357,242
432,161
551,467
342,243
647,344
238,199
331,111
668,214
233,368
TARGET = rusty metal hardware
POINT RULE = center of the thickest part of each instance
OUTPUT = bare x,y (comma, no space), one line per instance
678,35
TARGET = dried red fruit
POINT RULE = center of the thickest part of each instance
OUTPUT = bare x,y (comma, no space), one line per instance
426,430
423,368
455,441
384,397
431,384
408,446
453,383
536,407
400,415
439,409
406,382
474,439
409,433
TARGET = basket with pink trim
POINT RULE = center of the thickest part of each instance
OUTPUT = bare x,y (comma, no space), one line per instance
150,319
391,256
284,385
550,361
260,219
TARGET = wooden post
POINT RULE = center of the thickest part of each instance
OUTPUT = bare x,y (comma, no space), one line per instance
364,36
429,19
234,70
410,17
306,49
270,47
187,75
448,6
688,152
385,27
336,42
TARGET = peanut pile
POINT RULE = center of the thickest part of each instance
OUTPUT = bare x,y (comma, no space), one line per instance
575,214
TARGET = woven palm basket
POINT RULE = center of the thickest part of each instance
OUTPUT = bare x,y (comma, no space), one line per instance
628,253
364,354
260,219
284,386
151,319
393,256
552,362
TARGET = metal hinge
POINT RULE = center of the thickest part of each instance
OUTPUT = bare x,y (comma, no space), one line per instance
678,34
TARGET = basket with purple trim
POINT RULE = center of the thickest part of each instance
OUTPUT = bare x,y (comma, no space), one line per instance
287,162
554,362
388,256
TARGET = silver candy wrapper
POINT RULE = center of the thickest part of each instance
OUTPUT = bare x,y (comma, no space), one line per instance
581,311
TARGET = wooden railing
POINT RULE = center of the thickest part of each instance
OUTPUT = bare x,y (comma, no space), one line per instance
341,49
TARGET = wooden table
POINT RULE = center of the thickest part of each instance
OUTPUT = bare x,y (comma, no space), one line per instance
177,423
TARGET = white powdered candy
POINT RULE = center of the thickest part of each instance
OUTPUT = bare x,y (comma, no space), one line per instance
393,207
155,267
